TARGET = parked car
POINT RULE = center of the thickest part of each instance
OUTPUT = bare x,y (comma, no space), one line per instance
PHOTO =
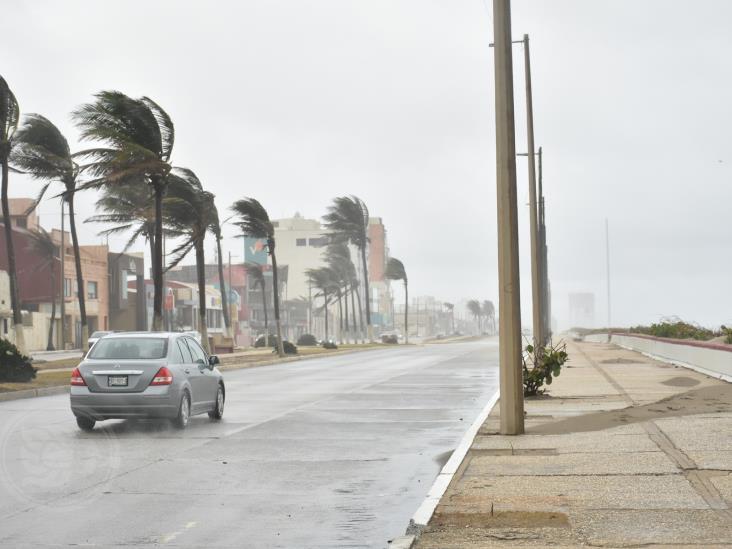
146,375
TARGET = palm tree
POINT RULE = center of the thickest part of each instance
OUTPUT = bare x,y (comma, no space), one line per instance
348,220
253,221
43,245
257,273
338,259
128,208
188,212
43,152
215,229
9,115
322,279
451,307
489,311
476,310
139,137
395,271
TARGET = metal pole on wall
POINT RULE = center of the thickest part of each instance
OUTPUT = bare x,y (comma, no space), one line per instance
509,303
607,262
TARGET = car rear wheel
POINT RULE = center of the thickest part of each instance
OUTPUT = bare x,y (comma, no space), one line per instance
85,423
184,412
218,411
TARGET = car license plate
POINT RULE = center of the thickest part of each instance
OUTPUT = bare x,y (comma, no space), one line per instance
117,381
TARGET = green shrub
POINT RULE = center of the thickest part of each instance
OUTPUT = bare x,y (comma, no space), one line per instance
391,339
727,333
14,366
307,340
288,347
329,345
547,364
260,341
676,330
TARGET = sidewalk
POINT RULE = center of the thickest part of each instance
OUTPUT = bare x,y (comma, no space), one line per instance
624,451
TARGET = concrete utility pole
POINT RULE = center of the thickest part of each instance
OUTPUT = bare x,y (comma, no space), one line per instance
536,293
544,264
509,301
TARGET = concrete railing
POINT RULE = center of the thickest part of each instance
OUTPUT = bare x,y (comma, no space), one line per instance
712,359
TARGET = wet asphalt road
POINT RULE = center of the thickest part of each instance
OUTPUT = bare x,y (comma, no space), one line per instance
330,452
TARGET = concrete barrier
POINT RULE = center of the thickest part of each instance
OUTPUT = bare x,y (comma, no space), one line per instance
712,359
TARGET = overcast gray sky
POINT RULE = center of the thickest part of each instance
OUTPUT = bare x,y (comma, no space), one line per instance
295,102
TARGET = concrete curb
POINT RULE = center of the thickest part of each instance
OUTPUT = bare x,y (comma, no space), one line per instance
403,542
424,513
30,393
296,358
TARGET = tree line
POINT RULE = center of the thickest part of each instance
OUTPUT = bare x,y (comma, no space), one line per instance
144,195
484,315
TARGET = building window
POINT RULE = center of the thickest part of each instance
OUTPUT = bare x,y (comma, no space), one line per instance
5,326
123,284
319,242
301,241
22,222
68,288
91,290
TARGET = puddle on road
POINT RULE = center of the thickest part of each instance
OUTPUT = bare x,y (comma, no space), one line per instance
443,458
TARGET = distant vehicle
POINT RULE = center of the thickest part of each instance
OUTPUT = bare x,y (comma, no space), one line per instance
96,336
146,375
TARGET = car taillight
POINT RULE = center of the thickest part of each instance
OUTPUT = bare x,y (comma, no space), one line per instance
76,378
163,377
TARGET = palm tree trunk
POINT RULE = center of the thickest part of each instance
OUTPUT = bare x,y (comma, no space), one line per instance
266,324
157,259
360,315
353,314
340,316
50,346
406,313
201,276
276,291
310,308
367,297
325,311
224,292
151,241
345,303
79,277
12,275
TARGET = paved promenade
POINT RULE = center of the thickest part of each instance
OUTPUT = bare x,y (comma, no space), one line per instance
623,451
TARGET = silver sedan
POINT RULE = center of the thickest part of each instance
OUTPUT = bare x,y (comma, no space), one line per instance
146,375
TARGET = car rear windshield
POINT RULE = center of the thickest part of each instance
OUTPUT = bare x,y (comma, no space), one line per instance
121,348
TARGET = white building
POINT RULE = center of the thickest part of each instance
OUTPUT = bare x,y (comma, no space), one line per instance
300,246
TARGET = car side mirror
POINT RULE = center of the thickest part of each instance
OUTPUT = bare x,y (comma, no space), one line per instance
213,360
